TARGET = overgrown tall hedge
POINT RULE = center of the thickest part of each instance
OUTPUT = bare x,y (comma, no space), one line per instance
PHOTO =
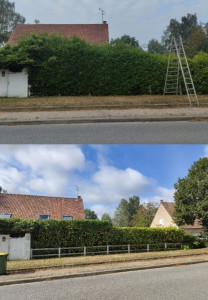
73,67
58,66
77,233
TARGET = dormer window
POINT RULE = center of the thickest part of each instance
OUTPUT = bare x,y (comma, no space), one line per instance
67,217
5,216
44,217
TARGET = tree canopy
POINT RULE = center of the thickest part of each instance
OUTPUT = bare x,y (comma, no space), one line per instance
144,216
193,33
125,211
183,28
90,214
126,40
106,217
154,46
9,18
191,196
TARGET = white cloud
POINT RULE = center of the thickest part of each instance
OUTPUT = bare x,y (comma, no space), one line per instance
160,193
126,181
41,168
109,185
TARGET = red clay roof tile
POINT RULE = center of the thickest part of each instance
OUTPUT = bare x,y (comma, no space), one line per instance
92,33
30,207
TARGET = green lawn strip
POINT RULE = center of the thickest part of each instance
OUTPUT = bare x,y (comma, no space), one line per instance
75,261
64,102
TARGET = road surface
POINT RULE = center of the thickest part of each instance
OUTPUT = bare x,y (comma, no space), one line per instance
178,283
108,133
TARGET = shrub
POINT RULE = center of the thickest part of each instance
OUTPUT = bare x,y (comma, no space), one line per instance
58,66
77,233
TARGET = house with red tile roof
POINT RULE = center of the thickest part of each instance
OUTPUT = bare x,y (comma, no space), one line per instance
40,207
92,33
164,218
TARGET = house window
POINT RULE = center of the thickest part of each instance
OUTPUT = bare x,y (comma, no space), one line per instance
44,217
67,217
3,73
5,216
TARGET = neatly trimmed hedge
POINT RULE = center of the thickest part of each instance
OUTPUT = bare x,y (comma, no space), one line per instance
77,233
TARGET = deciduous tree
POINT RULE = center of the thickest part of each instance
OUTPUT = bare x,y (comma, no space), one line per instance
144,216
126,40
183,28
106,217
156,47
9,18
90,214
191,196
125,211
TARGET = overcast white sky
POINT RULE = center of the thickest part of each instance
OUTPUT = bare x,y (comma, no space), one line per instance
143,19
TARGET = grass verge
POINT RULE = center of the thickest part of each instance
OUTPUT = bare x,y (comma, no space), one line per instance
75,261
90,102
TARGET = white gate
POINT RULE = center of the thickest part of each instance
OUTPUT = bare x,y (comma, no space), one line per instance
18,248
13,84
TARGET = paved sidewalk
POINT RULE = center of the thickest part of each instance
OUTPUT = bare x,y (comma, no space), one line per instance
87,116
71,272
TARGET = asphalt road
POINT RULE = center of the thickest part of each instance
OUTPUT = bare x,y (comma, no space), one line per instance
108,133
178,283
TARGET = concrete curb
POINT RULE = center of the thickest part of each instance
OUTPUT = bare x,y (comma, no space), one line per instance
100,120
96,273
22,271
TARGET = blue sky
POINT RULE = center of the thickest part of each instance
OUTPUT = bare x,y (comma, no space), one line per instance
143,19
104,173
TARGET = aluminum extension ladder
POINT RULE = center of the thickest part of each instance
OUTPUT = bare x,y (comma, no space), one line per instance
178,62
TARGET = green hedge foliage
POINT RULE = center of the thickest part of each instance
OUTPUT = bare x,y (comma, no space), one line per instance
58,66
77,233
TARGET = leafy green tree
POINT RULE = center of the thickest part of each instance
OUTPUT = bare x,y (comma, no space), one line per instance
133,205
125,211
90,214
194,35
156,47
9,18
126,40
183,28
144,216
191,196
198,41
106,217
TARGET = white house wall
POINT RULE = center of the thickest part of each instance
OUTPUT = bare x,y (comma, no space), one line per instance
14,84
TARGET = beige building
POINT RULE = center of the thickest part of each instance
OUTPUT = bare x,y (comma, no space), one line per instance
164,218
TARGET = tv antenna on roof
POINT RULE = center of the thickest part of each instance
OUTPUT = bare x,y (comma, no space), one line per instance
103,14
77,189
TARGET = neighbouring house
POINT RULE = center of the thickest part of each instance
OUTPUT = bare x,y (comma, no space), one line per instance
164,218
40,207
92,33
14,84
